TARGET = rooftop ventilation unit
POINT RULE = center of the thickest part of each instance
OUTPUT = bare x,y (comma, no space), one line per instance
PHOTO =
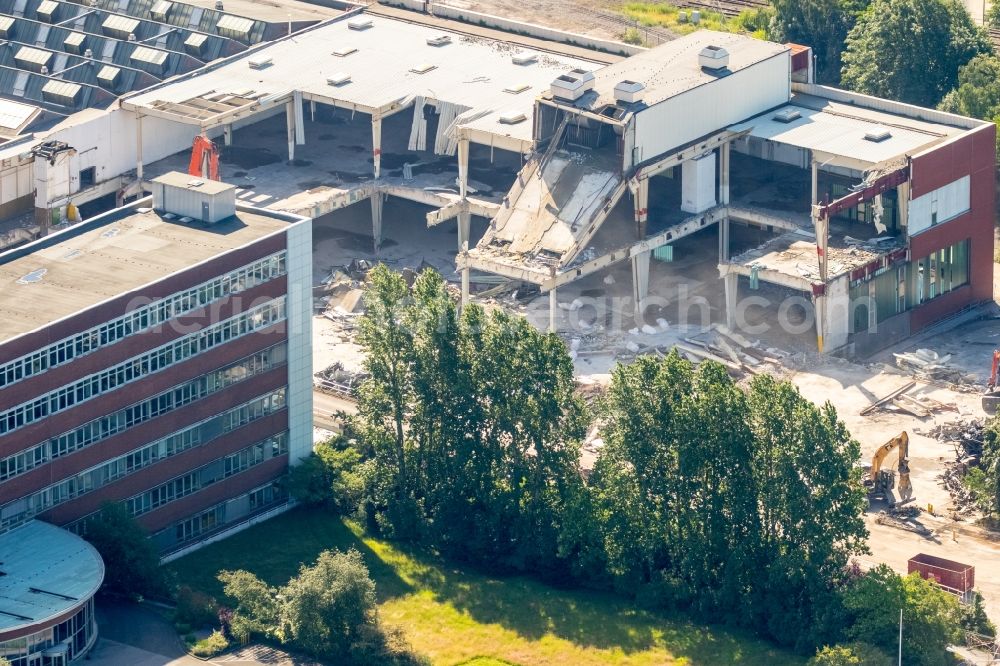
191,199
440,40
787,115
161,10
150,60
878,134
344,51
524,58
260,63
119,27
713,58
572,85
6,27
234,27
74,42
31,59
516,88
629,92
338,79
423,68
61,93
512,117
360,23
109,76
46,11
195,44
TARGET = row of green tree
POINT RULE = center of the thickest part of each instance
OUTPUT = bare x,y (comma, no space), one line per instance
735,505
983,479
925,52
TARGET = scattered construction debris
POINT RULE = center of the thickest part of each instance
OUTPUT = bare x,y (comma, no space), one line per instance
338,380
901,401
967,438
928,364
904,519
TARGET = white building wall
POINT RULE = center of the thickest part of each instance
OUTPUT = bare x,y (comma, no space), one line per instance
839,313
941,205
710,108
300,385
107,141
16,182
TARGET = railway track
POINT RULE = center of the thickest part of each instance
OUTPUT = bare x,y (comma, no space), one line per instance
728,8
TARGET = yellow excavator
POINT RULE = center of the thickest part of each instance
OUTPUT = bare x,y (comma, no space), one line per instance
881,482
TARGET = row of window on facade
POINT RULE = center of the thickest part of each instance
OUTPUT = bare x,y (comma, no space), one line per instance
896,289
143,318
76,634
148,363
172,399
23,509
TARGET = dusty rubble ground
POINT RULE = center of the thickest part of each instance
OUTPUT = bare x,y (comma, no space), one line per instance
947,368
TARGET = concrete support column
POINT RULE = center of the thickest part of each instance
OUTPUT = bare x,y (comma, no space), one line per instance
312,110
464,229
903,204
640,279
724,174
290,124
553,309
138,147
724,239
463,167
227,134
815,183
43,218
377,146
377,200
465,289
640,201
819,305
732,287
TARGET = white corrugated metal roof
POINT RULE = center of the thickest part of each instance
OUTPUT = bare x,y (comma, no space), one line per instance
470,72
673,67
15,115
839,130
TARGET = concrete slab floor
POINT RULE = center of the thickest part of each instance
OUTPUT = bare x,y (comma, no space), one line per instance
337,157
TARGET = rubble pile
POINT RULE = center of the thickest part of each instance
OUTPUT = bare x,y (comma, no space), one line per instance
338,379
929,365
967,438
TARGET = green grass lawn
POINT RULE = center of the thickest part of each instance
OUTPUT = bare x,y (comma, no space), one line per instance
457,617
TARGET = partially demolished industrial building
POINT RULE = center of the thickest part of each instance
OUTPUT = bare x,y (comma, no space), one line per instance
878,213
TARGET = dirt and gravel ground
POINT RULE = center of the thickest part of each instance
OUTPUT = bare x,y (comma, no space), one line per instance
598,18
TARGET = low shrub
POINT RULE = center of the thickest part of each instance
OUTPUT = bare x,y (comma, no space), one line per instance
211,646
195,608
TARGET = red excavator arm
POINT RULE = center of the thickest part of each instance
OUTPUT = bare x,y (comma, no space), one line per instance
992,384
204,158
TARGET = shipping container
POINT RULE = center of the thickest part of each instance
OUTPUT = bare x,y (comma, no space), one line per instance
953,576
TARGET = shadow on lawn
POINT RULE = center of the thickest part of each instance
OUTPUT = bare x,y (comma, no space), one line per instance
276,549
586,618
